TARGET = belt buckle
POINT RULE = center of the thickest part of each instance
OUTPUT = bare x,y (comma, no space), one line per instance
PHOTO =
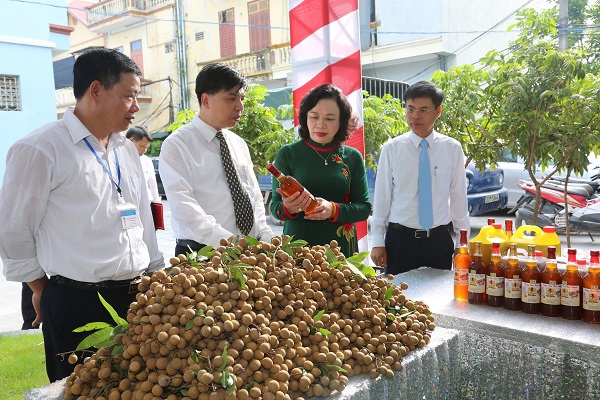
418,233
133,286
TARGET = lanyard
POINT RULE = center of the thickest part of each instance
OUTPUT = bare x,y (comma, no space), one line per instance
117,184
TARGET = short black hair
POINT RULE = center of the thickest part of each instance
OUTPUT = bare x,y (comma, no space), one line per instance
138,133
214,78
102,65
348,122
425,89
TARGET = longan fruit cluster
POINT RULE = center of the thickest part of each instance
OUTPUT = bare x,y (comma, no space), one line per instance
291,327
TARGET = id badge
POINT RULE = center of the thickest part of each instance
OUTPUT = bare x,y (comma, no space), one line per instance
129,215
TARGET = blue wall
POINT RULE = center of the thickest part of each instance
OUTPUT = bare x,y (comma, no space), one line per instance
26,46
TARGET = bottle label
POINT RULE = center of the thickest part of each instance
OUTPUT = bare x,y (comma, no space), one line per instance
551,293
461,277
512,288
591,299
494,285
476,283
530,292
569,295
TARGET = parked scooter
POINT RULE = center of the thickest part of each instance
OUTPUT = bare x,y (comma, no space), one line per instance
580,193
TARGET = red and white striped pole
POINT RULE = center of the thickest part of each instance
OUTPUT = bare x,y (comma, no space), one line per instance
325,43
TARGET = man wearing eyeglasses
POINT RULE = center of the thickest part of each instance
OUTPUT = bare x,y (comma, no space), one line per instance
420,190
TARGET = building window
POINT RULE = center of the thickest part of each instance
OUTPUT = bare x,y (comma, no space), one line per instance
10,95
169,47
199,35
136,54
119,49
259,16
227,33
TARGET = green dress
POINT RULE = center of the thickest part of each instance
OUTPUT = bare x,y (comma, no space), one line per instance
336,174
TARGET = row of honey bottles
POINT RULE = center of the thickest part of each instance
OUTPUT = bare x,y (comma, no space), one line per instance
530,289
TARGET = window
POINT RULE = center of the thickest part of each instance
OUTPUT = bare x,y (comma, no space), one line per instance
136,54
119,49
227,33
10,95
259,16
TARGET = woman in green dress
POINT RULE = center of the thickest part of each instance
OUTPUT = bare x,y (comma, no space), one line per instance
328,169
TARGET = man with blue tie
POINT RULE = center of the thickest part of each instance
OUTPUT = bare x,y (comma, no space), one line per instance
420,191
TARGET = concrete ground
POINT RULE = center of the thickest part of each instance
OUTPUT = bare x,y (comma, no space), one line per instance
10,298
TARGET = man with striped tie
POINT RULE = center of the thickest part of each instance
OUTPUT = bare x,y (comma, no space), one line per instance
206,169
420,190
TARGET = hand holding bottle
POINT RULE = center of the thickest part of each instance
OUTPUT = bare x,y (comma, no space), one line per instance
296,202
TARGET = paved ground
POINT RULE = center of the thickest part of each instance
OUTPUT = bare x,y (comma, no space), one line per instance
10,297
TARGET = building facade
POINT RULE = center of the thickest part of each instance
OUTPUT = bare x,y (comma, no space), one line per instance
30,35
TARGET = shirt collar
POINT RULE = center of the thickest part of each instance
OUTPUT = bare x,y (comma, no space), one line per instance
416,139
78,131
207,131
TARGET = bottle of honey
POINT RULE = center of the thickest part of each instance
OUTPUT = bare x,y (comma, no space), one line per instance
512,280
571,288
508,228
462,261
530,283
477,276
289,185
591,290
494,279
550,287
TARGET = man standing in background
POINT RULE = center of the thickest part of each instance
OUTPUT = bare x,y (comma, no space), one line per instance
142,140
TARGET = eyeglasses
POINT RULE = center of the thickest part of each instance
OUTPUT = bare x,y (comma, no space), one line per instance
420,111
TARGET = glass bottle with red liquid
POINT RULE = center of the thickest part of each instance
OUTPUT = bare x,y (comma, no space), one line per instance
512,280
550,288
462,261
289,185
494,278
591,290
491,221
530,283
571,288
508,228
477,276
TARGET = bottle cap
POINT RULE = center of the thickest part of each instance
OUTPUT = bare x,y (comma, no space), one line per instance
582,262
539,253
549,229
594,253
273,169
497,226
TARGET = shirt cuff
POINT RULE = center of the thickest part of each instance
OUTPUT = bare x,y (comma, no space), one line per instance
336,212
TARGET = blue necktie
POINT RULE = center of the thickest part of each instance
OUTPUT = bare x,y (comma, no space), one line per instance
425,202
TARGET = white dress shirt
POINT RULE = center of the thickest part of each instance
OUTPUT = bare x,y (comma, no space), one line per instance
396,186
195,184
58,208
150,177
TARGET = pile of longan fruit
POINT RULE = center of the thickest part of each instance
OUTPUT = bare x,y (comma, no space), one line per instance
295,329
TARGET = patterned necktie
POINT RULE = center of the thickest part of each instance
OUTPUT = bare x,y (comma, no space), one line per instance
425,201
244,214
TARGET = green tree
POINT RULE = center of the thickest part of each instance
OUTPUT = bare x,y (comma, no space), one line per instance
383,119
468,113
547,106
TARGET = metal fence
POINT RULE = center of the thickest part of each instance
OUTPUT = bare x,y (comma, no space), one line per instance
379,87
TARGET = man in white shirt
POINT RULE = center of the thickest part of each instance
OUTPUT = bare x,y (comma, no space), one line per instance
74,207
404,235
193,170
141,139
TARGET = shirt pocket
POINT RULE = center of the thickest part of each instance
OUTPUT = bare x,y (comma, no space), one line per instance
442,178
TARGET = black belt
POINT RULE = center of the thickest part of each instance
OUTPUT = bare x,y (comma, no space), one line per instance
131,285
419,233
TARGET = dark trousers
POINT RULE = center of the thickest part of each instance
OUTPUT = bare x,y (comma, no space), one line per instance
180,249
65,308
405,252
27,310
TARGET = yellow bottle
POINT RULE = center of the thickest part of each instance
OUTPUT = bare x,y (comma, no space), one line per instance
488,235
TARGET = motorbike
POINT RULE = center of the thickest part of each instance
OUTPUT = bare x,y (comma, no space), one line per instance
581,193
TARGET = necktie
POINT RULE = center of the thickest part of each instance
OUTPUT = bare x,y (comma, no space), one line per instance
425,202
244,214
